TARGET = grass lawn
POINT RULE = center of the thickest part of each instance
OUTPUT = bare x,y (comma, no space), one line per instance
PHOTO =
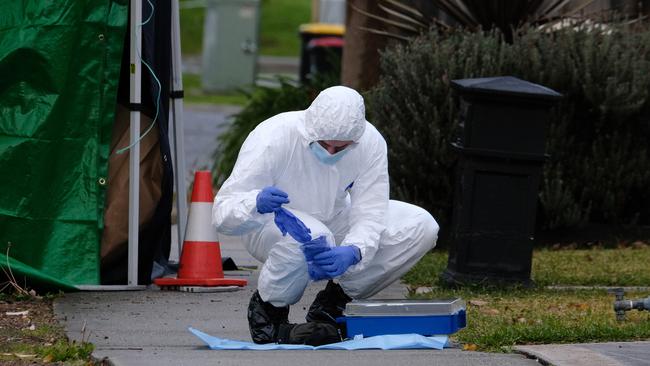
279,21
191,22
279,26
30,335
500,318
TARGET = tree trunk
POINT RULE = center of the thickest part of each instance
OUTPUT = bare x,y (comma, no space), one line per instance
360,64
315,10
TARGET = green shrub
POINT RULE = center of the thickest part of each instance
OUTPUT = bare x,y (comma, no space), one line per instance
66,351
598,169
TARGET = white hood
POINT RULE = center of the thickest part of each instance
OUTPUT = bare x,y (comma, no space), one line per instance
337,113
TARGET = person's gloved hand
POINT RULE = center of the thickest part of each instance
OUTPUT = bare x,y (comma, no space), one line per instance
310,249
270,199
337,260
313,247
289,223
316,273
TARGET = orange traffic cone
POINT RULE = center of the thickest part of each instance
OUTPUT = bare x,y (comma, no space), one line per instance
200,262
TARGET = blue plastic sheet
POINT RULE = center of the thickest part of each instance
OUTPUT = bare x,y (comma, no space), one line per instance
385,342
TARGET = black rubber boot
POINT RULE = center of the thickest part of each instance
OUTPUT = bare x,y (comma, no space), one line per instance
264,319
328,305
313,334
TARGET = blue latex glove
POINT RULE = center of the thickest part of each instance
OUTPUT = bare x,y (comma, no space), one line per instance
289,223
270,199
313,247
337,260
310,249
316,273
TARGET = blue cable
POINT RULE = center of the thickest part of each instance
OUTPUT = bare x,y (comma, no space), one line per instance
153,74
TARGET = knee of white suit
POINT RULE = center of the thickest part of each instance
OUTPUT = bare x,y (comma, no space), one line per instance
430,229
414,224
410,234
284,275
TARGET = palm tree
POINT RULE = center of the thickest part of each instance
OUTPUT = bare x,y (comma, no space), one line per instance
360,62
369,23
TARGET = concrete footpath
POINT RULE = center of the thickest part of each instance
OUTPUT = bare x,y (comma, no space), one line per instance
143,328
147,328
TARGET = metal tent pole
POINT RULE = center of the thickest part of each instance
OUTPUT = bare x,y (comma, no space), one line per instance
176,96
135,106
134,151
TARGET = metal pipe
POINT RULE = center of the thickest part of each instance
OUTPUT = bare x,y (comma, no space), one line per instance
134,151
178,126
621,305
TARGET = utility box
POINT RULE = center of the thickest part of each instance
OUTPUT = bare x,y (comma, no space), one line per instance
230,44
500,140
331,11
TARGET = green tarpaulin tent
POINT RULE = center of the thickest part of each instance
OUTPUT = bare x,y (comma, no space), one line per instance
59,72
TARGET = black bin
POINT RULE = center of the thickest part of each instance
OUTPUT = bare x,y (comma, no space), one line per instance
314,54
500,140
324,56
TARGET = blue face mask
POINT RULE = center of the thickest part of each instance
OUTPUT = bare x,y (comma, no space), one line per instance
325,157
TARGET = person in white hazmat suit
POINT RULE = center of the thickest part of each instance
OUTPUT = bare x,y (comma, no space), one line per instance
328,166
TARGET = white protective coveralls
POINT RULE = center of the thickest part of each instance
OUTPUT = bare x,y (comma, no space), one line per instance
347,202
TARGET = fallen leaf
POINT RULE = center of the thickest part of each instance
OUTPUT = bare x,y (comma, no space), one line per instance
48,358
579,306
521,320
423,290
477,302
469,347
17,313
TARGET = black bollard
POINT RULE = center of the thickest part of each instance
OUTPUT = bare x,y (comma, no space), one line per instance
500,140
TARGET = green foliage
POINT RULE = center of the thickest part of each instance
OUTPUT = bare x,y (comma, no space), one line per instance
597,139
403,19
264,102
66,351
